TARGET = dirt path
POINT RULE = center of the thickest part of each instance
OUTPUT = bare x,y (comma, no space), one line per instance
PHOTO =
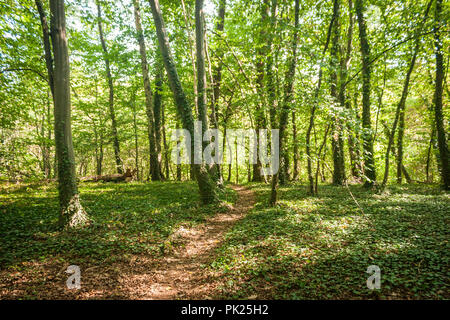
183,274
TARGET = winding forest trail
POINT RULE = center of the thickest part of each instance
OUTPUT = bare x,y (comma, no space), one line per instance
182,273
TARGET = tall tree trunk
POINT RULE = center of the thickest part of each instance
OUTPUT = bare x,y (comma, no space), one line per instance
47,48
135,132
155,171
313,111
207,187
216,77
271,85
201,74
337,143
295,143
116,146
192,56
399,113
367,135
430,147
344,96
287,101
157,102
438,115
166,149
49,66
46,135
320,160
72,213
261,53
400,135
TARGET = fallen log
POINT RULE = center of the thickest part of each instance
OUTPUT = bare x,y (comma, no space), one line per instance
126,177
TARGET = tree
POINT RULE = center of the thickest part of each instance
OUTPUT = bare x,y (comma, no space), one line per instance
367,135
206,186
287,101
112,113
438,115
72,213
400,112
155,170
337,143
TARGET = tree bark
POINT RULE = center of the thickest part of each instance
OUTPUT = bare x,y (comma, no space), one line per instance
438,114
367,135
337,143
135,132
47,48
166,149
112,114
295,143
157,107
72,213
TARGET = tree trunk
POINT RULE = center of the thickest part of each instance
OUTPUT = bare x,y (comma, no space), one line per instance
112,114
271,87
295,143
207,187
155,171
135,131
72,213
438,114
47,48
430,147
157,102
313,111
261,53
166,149
344,97
289,86
337,143
367,136
399,113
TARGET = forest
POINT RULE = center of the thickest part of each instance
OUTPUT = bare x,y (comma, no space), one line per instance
328,176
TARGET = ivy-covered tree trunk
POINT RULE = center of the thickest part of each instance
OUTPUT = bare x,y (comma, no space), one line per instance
157,109
135,133
438,115
367,135
201,74
295,173
112,114
206,186
344,97
337,143
287,101
155,171
72,213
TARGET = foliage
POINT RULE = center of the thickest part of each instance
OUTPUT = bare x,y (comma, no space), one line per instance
134,218
320,248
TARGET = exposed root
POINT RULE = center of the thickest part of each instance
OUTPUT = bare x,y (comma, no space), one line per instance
77,216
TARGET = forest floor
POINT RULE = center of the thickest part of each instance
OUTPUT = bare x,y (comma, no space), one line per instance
154,241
